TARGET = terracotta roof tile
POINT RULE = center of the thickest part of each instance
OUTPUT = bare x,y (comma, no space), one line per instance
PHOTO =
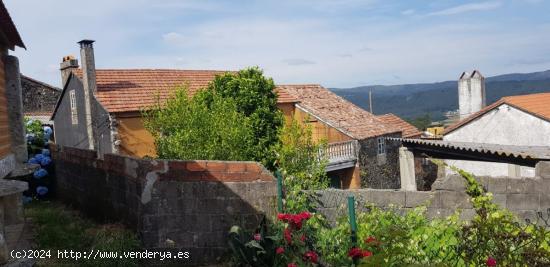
409,131
127,90
338,112
536,104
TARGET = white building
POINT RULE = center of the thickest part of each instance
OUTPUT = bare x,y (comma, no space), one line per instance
522,120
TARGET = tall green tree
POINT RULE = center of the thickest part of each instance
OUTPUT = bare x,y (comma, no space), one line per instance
254,96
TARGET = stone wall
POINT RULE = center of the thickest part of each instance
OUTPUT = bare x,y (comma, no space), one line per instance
379,171
177,205
524,197
38,97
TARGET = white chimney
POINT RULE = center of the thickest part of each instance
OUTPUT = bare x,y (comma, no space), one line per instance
89,84
471,93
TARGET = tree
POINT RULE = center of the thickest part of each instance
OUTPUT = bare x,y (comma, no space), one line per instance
256,99
206,126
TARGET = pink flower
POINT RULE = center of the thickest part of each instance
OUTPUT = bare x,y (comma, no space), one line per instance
491,261
257,237
311,256
280,250
292,265
288,236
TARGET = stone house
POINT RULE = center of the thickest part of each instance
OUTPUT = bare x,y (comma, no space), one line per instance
99,109
39,99
12,143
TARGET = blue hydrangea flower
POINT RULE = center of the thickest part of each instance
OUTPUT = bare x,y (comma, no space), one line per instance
41,190
40,173
45,161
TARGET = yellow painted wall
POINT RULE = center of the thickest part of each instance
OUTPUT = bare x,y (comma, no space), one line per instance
5,140
135,139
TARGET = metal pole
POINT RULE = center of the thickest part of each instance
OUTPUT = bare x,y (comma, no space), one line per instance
279,191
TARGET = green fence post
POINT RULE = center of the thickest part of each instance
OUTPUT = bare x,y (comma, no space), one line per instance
279,191
352,222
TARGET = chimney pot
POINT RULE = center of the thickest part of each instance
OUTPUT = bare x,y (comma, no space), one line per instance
68,64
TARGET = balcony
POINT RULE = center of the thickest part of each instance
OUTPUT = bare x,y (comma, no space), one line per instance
340,155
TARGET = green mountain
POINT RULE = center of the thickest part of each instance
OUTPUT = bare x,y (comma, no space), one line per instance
415,100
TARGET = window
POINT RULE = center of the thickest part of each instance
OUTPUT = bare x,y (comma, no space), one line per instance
74,113
381,146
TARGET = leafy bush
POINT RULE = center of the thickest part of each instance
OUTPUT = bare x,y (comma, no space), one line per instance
206,126
254,97
302,169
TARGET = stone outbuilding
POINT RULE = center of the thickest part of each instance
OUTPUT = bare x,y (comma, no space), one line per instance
39,99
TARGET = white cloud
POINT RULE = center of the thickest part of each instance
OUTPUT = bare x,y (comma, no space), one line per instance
408,12
467,8
298,61
173,38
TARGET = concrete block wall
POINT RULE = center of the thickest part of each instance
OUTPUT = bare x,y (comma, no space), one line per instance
173,205
524,197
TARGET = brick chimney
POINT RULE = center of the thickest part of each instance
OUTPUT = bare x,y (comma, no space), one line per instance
68,64
471,93
89,84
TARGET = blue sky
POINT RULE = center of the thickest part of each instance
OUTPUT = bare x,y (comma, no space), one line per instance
334,43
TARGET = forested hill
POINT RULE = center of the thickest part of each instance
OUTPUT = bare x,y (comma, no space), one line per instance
414,100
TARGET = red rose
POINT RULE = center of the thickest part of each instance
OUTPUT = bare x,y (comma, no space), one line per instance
491,262
257,237
370,239
305,215
292,265
366,254
311,256
357,253
288,236
280,250
303,238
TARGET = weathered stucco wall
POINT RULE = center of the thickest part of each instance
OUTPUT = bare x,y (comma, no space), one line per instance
524,197
504,125
173,205
66,133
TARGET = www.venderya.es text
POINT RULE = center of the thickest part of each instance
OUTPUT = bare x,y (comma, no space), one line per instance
99,254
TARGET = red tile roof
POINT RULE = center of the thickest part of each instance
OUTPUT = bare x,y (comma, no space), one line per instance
128,90
8,28
338,112
535,104
408,130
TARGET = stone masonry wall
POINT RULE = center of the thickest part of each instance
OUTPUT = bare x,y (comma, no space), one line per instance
379,171
173,205
524,197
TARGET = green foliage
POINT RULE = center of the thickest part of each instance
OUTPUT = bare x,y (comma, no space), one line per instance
421,122
250,251
254,97
395,239
302,169
496,233
206,126
35,129
58,228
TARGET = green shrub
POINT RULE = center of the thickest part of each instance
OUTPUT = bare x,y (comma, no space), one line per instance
206,126
303,171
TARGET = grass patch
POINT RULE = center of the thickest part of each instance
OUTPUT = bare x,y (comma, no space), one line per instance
60,228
